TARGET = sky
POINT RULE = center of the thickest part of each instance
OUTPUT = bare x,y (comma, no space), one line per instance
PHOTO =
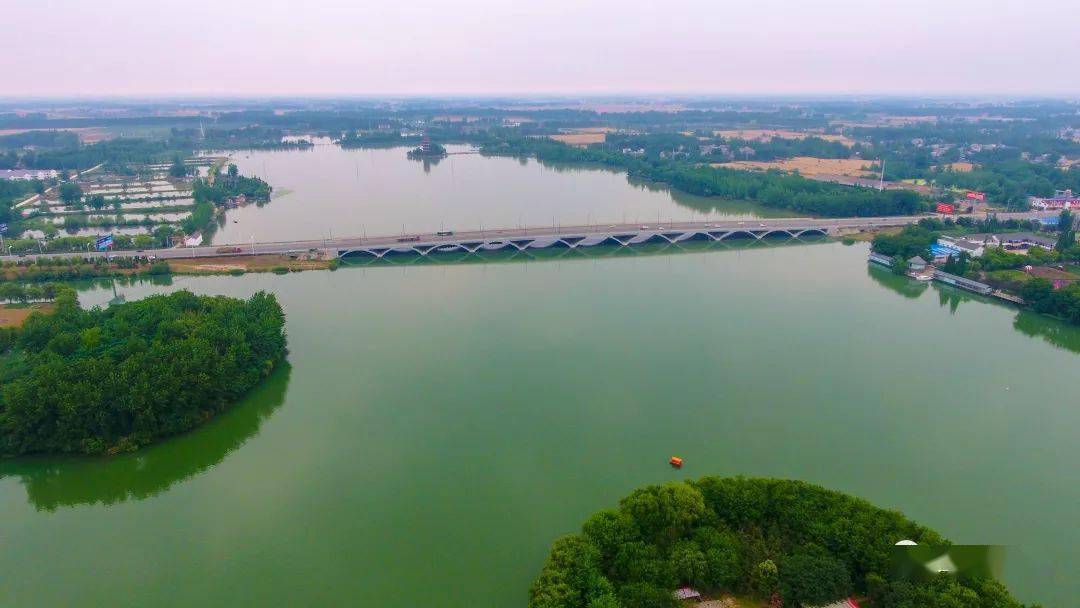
527,47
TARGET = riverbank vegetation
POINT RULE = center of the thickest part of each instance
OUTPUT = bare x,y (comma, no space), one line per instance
40,270
212,194
772,189
997,267
789,543
108,380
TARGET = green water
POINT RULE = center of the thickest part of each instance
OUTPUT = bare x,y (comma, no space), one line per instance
326,190
440,425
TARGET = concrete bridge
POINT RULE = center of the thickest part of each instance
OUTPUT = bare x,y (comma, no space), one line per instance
574,237
541,237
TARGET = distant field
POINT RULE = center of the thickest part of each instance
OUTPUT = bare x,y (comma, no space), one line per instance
808,166
87,135
960,167
256,263
13,316
583,136
769,134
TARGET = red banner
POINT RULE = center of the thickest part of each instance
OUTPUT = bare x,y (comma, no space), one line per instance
979,196
945,208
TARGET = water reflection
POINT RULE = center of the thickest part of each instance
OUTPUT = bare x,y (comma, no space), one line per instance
566,253
952,297
52,482
1058,333
1053,331
896,283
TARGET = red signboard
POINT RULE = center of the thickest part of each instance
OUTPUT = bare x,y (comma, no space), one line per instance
979,196
945,208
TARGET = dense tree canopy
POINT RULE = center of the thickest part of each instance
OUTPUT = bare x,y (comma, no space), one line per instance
764,537
773,189
103,380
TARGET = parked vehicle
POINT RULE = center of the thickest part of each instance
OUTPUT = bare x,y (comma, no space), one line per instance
228,250
408,239
445,233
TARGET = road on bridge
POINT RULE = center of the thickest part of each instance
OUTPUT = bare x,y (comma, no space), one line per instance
285,247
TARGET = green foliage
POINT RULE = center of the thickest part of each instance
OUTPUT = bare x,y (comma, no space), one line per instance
1066,231
94,381
750,536
1040,295
201,215
178,169
70,193
14,191
159,268
772,189
899,265
957,265
910,242
814,577
117,154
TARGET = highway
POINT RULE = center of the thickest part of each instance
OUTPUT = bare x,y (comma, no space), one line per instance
831,225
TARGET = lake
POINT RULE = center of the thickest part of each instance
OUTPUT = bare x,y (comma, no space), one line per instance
328,190
440,425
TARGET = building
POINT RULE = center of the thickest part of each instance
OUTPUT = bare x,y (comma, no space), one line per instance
687,593
1014,241
1062,199
844,603
916,264
27,174
948,245
1025,240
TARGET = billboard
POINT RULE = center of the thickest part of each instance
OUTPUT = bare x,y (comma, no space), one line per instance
945,208
104,242
3,228
979,196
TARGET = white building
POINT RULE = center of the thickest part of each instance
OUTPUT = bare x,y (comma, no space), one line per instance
27,174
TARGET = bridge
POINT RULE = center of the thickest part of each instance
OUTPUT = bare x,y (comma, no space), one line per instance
521,239
573,237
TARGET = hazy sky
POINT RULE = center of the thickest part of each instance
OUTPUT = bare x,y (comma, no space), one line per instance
327,47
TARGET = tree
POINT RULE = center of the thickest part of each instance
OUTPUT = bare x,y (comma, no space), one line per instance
163,235
1066,233
12,292
899,265
142,241
775,542
70,193
135,371
814,577
178,169
689,563
764,579
233,171
96,201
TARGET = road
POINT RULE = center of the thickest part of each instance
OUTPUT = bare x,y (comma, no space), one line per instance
510,233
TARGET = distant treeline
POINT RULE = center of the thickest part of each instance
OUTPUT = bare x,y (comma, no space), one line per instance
40,139
107,380
14,191
115,153
772,189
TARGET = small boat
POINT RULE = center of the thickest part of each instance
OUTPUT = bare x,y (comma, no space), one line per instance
675,461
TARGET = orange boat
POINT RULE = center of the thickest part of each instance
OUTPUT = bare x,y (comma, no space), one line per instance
675,461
